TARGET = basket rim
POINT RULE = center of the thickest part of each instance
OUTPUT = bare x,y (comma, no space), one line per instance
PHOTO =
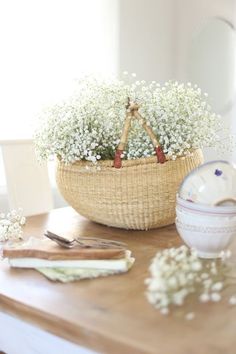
129,163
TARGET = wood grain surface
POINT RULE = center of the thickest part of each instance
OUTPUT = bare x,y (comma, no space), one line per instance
112,315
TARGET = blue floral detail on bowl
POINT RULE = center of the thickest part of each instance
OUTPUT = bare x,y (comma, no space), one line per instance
218,172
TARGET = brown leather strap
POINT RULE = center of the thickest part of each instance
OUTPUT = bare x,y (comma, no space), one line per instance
160,154
117,160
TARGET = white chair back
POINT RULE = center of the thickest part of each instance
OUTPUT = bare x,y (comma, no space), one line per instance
28,184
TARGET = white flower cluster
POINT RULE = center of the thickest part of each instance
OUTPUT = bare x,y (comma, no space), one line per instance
177,273
88,126
11,225
184,119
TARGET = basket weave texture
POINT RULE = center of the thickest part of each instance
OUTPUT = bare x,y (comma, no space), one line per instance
140,195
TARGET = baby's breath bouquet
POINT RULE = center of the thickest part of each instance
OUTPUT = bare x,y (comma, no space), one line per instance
88,125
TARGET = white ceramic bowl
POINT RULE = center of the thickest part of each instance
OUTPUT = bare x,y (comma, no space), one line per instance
192,217
207,229
208,241
193,212
210,184
205,209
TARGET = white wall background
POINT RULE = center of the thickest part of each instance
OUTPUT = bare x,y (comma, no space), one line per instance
146,38
45,45
190,16
155,35
199,50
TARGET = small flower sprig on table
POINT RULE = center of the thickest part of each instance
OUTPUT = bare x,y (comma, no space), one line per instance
178,272
11,225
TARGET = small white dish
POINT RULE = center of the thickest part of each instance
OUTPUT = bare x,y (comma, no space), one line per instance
213,183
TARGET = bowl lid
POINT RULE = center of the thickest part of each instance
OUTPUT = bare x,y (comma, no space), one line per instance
212,183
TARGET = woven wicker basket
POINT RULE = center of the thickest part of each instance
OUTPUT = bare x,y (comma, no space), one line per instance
140,195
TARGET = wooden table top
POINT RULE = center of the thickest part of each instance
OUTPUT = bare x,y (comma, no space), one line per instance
111,315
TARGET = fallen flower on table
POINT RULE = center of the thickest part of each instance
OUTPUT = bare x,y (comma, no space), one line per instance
176,273
11,225
232,300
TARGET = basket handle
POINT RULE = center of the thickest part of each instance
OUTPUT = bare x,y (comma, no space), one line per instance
133,113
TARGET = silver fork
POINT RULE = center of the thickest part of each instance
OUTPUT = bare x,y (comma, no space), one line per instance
85,242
